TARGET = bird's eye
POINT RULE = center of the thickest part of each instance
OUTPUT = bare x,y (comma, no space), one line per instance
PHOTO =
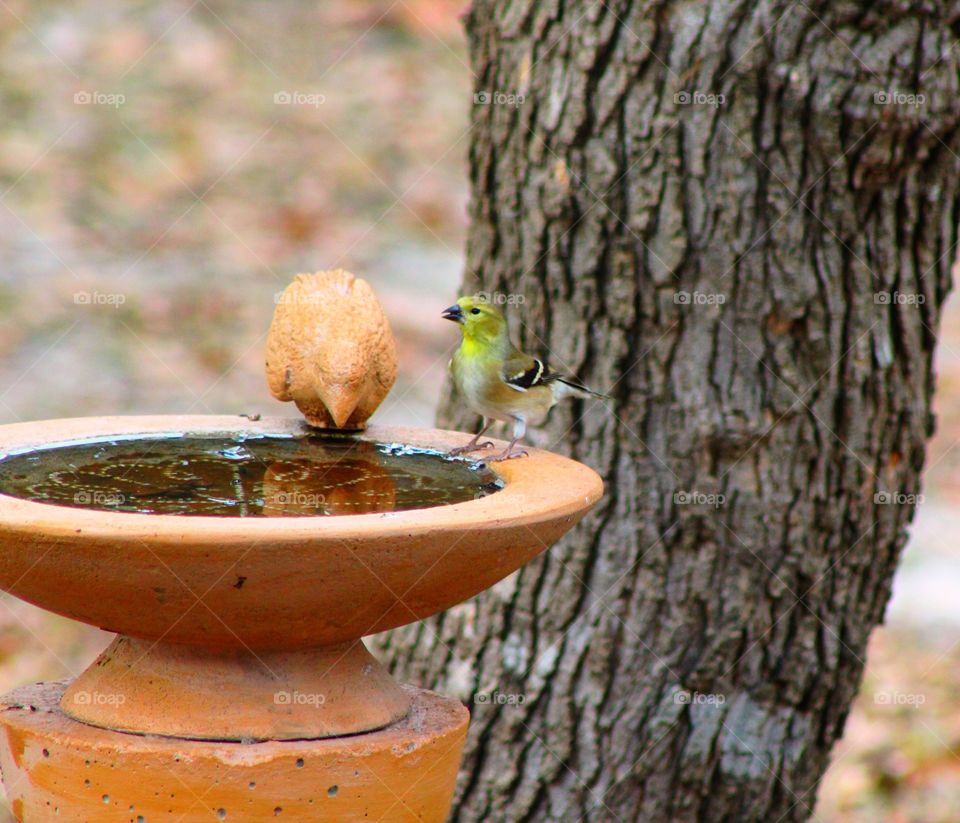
474,311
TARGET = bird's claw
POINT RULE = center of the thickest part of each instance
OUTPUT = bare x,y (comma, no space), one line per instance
471,447
509,455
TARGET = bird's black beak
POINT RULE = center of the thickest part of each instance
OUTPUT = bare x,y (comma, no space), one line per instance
454,313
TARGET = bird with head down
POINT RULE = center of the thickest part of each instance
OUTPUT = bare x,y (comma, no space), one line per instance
330,349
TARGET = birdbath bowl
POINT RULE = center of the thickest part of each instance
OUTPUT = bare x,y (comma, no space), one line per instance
240,563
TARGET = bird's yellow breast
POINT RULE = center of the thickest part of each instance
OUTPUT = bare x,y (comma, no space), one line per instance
480,382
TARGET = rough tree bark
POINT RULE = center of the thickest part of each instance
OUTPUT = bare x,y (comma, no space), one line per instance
712,211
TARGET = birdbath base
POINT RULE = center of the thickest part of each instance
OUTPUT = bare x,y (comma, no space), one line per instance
56,768
236,694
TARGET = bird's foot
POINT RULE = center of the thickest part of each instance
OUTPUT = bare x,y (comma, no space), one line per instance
509,454
471,447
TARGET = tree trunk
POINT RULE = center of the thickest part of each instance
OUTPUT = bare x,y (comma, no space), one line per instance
734,218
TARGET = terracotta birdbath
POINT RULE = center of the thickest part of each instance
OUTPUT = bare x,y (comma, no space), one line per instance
238,687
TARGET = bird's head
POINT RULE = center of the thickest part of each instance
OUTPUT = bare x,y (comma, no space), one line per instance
478,319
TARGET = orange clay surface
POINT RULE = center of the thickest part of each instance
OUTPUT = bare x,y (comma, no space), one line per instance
56,769
246,629
306,581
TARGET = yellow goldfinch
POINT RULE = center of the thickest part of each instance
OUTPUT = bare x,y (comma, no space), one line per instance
499,381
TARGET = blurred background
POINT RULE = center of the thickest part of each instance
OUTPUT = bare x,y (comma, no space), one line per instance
167,167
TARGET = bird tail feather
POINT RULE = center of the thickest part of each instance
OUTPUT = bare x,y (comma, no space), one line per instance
572,387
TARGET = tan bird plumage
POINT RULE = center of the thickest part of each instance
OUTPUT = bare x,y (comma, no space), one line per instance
330,349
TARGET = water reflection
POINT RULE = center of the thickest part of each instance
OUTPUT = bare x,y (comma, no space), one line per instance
243,477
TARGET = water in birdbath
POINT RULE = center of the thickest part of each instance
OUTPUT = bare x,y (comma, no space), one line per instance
255,476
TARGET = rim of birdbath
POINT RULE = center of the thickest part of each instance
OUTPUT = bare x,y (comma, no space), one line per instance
200,656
